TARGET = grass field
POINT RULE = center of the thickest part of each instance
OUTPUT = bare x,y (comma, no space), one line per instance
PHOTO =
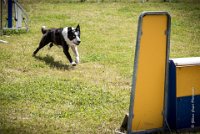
46,95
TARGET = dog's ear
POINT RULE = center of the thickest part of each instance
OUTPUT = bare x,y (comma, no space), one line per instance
69,29
78,28
69,32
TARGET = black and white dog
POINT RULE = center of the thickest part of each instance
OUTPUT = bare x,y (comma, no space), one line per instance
66,37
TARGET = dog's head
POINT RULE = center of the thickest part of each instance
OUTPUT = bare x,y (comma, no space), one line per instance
74,35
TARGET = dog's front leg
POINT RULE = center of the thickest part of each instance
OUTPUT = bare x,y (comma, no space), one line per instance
66,52
75,50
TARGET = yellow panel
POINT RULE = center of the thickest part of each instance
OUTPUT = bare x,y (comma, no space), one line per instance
188,80
150,81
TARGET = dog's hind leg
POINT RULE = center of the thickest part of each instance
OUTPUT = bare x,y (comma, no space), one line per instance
43,43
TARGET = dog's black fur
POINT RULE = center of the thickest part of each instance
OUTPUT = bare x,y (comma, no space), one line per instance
65,37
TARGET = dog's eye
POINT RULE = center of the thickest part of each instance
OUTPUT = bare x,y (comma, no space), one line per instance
74,36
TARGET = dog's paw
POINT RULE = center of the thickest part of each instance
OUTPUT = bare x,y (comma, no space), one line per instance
77,60
73,63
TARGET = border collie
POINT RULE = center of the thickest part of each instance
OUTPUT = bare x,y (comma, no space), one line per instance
66,37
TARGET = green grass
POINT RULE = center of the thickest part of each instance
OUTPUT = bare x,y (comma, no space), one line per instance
46,95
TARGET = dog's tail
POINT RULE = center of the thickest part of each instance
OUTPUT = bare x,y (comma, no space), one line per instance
43,29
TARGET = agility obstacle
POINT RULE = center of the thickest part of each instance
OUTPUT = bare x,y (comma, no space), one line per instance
183,105
165,94
150,69
17,18
1,18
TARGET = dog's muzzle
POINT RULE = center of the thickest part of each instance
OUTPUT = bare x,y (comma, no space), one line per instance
77,42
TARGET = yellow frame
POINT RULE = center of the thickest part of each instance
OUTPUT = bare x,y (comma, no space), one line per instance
149,78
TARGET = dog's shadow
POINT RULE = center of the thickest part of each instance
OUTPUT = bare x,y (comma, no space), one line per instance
49,60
